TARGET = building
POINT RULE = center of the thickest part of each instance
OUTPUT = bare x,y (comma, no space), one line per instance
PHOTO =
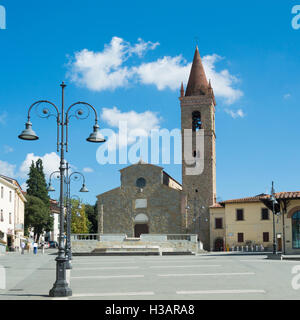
148,201
53,235
199,156
12,208
249,222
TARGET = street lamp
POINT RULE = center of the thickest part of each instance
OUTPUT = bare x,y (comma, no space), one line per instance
274,202
60,287
67,179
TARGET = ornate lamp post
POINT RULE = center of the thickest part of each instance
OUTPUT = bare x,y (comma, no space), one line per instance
74,176
60,287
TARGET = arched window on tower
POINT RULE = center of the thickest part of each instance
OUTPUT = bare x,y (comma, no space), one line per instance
196,118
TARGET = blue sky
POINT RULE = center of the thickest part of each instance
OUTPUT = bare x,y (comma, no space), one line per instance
127,57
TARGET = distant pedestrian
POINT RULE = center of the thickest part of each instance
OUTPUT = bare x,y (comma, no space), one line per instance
22,247
43,247
35,247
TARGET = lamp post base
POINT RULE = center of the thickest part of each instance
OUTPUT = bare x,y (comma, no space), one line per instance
68,264
60,287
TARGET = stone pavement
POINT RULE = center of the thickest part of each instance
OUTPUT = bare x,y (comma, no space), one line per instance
199,277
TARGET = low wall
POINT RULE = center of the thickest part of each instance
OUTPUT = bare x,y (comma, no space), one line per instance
165,243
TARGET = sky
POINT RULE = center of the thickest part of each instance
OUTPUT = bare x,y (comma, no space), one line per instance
128,59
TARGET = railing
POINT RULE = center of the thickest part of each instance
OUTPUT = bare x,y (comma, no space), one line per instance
85,237
178,237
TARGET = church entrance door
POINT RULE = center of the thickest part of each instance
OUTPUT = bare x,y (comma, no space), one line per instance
140,229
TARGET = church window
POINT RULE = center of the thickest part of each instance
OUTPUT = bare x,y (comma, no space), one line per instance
140,182
196,117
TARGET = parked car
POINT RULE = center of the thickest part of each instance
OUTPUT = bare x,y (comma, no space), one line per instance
53,244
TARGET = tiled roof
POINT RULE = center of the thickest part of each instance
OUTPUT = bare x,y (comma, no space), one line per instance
259,197
217,205
285,195
247,199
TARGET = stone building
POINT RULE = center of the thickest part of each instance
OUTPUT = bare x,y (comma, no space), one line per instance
148,201
199,156
162,205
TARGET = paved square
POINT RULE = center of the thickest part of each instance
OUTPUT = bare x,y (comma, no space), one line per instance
152,278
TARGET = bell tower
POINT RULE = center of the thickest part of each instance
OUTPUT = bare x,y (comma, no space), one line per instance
198,152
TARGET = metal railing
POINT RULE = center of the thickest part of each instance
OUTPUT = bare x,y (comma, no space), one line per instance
85,237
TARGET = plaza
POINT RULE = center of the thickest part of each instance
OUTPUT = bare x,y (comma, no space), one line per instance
201,277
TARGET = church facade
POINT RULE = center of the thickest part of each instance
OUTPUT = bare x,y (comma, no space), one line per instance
149,200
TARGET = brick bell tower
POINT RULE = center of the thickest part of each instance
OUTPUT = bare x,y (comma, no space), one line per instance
198,152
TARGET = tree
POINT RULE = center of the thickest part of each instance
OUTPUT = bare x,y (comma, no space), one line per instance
92,215
79,220
37,216
39,219
36,183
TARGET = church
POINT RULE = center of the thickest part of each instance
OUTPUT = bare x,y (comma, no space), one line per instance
148,199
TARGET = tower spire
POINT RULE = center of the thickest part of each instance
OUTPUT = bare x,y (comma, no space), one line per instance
198,83
182,90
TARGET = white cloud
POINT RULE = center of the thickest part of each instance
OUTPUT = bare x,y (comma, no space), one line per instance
51,163
167,72
105,70
7,169
287,96
222,81
88,170
8,149
138,124
235,114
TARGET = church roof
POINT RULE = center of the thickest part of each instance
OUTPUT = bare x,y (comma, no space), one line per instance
197,84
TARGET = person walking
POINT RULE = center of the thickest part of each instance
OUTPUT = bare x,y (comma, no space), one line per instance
35,247
22,247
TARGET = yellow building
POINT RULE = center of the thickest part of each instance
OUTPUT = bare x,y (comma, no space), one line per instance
247,223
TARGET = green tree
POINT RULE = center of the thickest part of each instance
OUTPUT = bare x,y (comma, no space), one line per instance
80,222
92,215
37,216
36,183
37,188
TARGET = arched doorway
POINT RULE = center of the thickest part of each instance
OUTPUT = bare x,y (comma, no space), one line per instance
219,244
140,229
141,225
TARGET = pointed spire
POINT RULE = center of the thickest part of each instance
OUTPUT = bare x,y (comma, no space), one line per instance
197,84
182,90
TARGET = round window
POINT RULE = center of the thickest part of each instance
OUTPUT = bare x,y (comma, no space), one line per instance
140,182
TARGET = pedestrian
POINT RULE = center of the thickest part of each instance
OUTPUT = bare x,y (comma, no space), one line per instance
35,247
43,247
22,247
